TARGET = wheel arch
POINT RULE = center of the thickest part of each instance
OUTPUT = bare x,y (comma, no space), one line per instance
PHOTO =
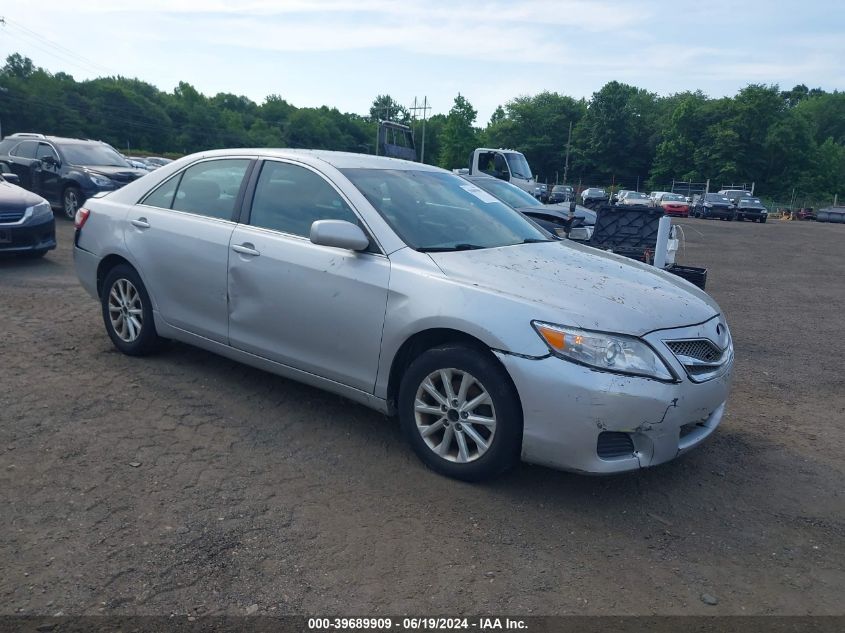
424,340
106,265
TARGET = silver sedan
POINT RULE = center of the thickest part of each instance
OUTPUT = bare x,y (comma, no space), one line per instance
408,289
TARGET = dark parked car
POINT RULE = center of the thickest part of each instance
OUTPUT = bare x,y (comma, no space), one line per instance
594,195
555,218
27,225
65,171
751,209
713,205
561,193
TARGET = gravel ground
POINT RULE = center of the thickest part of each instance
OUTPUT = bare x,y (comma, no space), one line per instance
185,483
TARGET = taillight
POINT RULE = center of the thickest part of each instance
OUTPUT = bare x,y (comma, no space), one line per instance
81,217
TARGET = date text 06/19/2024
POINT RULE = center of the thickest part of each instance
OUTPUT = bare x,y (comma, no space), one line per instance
416,624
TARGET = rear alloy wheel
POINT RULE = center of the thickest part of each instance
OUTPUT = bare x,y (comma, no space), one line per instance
71,201
127,312
461,413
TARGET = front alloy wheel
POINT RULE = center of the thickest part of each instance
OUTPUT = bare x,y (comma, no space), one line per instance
454,415
461,412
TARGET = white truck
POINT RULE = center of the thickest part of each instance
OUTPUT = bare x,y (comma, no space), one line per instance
505,164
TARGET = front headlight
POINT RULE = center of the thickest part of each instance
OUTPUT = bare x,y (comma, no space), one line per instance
100,181
40,210
609,352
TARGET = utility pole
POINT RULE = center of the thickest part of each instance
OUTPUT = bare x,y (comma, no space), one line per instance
424,107
566,164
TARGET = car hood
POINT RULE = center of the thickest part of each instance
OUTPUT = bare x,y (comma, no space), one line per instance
576,285
120,174
562,211
14,198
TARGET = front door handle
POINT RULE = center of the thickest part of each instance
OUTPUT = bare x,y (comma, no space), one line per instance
245,249
141,223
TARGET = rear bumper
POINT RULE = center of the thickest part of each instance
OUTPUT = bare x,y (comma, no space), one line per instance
28,237
86,265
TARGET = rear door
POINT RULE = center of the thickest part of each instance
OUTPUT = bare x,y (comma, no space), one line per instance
22,157
316,308
179,236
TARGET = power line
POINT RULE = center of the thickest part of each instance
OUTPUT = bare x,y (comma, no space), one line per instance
59,51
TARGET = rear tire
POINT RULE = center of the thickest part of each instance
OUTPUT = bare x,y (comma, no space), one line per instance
461,413
128,313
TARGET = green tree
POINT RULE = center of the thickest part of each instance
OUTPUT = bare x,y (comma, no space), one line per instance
459,138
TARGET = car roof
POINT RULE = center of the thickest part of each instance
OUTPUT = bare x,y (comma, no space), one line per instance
339,160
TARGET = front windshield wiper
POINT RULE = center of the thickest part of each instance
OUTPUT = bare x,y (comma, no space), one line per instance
456,247
535,240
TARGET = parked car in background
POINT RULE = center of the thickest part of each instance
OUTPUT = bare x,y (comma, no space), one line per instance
555,218
158,161
735,194
633,198
140,162
807,213
656,195
27,224
65,171
594,195
713,205
561,193
620,195
748,208
673,204
416,293
541,192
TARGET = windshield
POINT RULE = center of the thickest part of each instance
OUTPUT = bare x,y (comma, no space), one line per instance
508,193
518,164
433,211
749,202
636,195
672,197
715,197
93,154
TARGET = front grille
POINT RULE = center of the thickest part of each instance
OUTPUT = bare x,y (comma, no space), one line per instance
11,216
614,445
699,349
702,359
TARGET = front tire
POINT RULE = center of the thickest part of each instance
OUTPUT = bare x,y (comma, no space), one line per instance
71,201
461,413
128,313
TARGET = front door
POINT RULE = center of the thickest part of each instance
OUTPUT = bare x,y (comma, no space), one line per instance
316,308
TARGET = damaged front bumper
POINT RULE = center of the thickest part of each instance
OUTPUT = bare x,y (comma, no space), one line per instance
580,419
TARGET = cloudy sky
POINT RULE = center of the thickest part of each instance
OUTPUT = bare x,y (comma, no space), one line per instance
343,53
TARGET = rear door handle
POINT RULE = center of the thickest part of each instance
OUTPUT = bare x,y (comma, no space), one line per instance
141,223
245,249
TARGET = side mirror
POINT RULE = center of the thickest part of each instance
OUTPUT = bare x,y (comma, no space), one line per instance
340,234
50,160
12,178
502,175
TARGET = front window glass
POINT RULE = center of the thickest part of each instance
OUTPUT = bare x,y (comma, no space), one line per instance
95,154
508,193
518,164
672,197
45,151
290,198
433,211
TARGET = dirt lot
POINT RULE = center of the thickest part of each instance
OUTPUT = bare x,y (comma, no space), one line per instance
188,484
